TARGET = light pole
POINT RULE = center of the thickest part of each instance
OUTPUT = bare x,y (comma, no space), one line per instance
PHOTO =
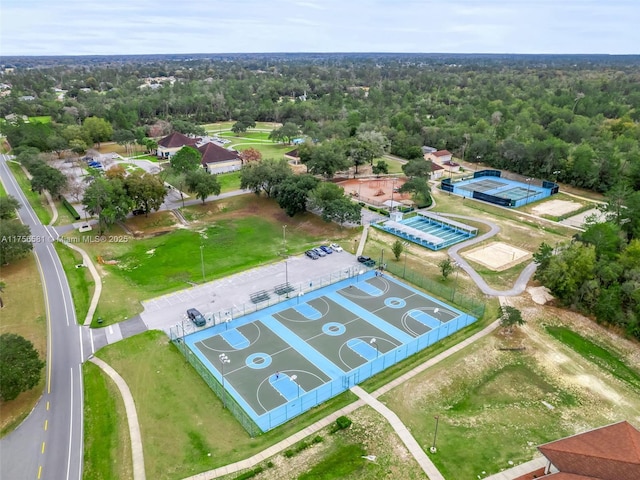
202,261
286,273
528,187
393,187
284,240
375,344
456,265
293,379
555,174
404,270
433,447
223,359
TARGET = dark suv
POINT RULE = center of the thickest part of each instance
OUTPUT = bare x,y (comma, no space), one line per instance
196,317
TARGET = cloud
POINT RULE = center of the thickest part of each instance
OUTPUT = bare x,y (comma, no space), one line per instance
36,27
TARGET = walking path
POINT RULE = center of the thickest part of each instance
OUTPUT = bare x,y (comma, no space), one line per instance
132,418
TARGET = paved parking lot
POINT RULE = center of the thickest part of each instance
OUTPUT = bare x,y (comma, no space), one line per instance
232,294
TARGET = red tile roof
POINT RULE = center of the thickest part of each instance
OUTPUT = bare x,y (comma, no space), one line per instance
566,476
176,139
442,153
435,166
212,153
606,453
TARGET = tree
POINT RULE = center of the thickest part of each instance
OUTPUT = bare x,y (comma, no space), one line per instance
2,287
397,248
187,128
97,129
20,366
187,159
8,207
327,159
202,184
265,176
126,138
109,200
47,178
285,133
446,267
419,189
147,191
417,168
342,210
381,167
13,241
324,194
250,155
293,193
510,317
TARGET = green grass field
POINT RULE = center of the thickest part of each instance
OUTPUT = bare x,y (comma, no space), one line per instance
37,201
3,192
250,135
80,280
40,119
603,357
180,417
107,445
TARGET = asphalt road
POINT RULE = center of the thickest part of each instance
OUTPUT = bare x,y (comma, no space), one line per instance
49,443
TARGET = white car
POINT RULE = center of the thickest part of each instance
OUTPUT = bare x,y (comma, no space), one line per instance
335,247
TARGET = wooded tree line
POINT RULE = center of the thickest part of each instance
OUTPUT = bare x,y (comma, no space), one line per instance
574,122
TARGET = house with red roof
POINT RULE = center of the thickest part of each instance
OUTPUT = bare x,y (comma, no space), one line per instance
606,453
439,156
169,145
217,159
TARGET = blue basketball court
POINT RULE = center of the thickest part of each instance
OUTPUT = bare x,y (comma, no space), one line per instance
279,362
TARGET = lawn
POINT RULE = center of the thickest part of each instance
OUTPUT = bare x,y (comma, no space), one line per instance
181,419
23,314
229,182
268,150
248,135
603,357
238,233
40,119
37,201
107,445
80,280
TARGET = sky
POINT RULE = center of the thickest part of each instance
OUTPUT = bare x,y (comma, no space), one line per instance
118,27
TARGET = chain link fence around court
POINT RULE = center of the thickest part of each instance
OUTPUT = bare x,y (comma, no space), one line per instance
266,299
436,288
278,416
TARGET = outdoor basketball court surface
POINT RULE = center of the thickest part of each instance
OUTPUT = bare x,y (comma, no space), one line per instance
281,361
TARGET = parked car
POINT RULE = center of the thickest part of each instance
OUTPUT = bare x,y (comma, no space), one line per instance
196,317
311,254
336,247
326,249
368,261
319,252
362,258
137,211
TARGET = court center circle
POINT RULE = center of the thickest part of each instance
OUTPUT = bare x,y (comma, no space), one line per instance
258,361
333,328
395,302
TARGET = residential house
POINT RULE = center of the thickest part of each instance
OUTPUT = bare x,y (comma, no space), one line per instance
216,159
427,150
607,453
436,171
169,145
439,156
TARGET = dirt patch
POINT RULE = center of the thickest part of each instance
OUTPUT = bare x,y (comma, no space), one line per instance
376,191
540,295
556,208
497,256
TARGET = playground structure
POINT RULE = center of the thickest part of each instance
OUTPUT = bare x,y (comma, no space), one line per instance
377,191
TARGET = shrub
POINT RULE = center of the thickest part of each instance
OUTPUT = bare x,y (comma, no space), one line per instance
341,423
250,473
70,209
